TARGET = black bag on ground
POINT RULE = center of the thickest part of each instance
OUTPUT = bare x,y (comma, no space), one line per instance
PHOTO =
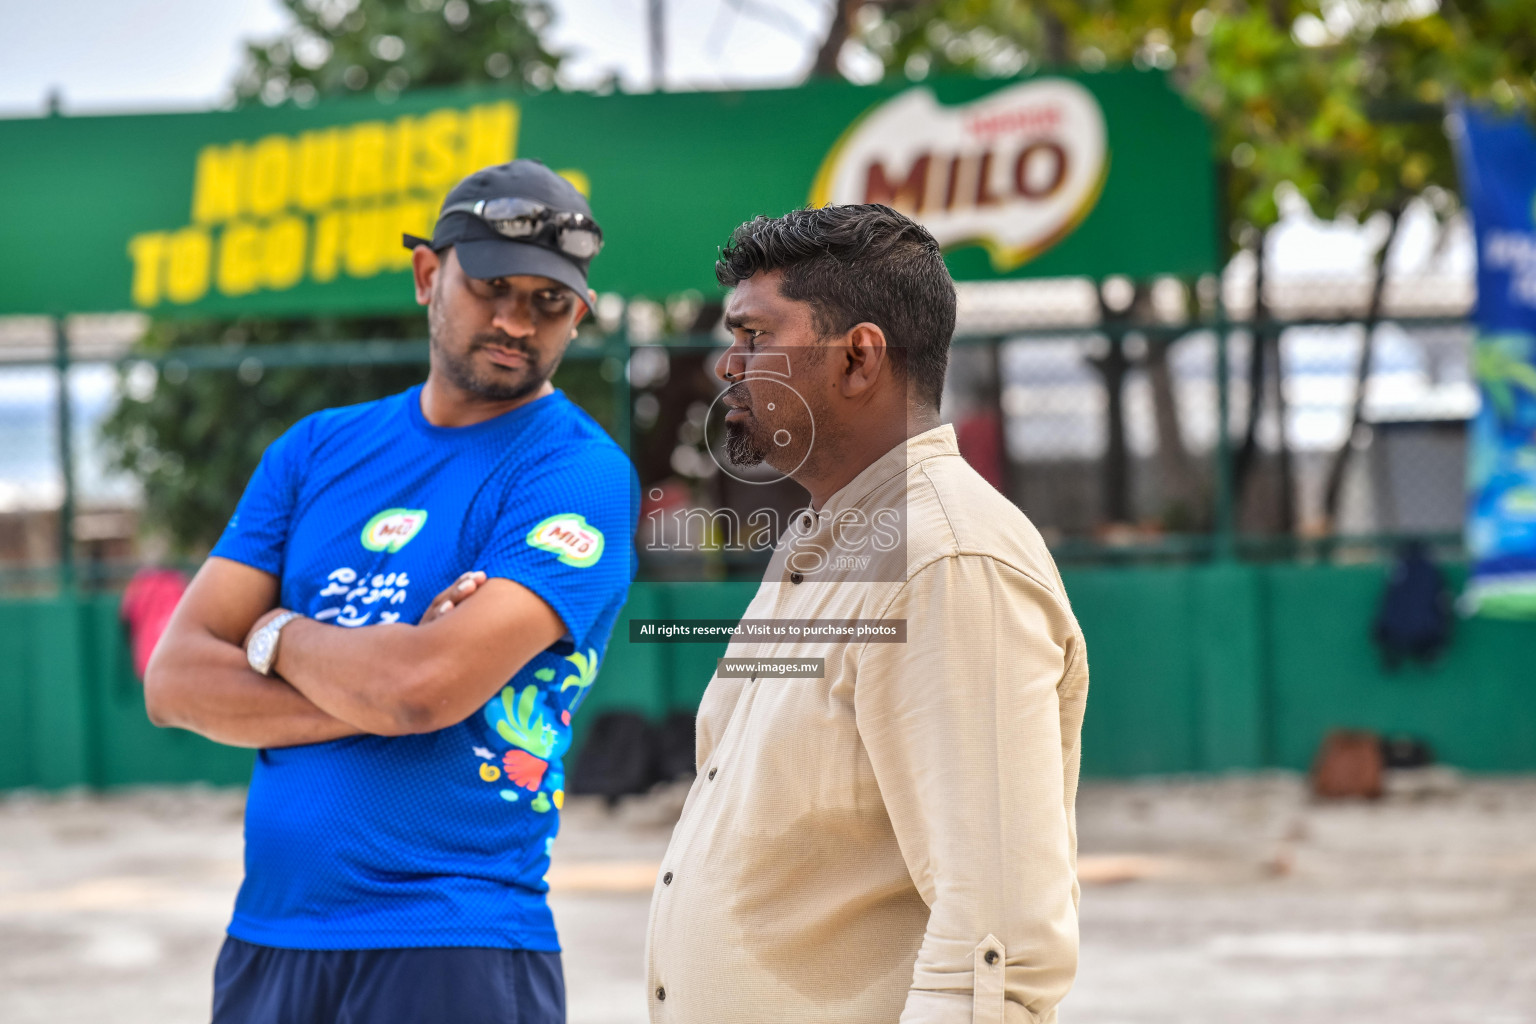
675,751
618,758
1406,752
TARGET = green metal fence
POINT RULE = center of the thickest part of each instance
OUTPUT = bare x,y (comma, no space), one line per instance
1210,649
1194,668
1215,532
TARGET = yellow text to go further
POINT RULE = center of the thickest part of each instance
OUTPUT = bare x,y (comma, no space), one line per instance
245,256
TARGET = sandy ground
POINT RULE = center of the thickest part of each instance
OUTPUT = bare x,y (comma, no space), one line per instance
1232,900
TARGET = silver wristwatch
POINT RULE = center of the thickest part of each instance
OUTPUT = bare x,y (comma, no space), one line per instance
261,651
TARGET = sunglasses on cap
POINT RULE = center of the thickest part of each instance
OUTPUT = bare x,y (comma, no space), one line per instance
525,220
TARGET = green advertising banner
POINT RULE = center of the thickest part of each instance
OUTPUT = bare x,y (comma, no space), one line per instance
290,210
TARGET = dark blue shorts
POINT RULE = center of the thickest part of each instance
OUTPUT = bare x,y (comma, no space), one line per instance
262,985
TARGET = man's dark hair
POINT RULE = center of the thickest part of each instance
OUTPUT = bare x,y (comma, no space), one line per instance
858,264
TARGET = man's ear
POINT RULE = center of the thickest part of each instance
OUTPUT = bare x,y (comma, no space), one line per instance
864,358
425,266
586,307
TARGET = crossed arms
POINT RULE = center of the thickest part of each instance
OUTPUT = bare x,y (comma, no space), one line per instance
330,682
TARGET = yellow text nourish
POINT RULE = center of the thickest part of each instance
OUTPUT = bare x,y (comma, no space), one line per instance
270,213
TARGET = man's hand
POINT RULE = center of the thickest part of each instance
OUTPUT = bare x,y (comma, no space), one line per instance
455,593
199,679
393,679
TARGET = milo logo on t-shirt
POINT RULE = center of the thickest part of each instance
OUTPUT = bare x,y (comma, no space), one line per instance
568,536
393,528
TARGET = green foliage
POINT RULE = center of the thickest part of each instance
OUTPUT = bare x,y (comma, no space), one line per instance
192,438
346,47
1341,98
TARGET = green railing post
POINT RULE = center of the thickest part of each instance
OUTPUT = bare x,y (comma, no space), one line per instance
66,459
616,347
1225,524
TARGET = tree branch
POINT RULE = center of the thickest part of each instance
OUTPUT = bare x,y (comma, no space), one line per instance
1334,493
843,13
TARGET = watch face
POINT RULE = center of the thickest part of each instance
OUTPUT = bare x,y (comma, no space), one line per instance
261,650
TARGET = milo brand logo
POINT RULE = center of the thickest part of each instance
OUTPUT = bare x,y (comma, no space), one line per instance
393,528
1014,171
569,536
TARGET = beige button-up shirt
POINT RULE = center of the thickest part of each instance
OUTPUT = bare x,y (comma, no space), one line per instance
896,840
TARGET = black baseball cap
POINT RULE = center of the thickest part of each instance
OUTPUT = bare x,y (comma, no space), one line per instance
483,252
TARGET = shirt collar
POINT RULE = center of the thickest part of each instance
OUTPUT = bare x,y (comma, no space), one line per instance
938,441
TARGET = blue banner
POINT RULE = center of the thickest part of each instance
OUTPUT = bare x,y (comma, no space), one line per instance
1497,161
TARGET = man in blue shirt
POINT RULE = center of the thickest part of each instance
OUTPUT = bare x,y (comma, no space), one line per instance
409,778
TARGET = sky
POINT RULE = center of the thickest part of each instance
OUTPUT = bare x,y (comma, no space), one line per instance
119,56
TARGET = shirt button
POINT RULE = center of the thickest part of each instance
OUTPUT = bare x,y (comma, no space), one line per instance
666,879
991,956
805,521
712,774
795,577
661,993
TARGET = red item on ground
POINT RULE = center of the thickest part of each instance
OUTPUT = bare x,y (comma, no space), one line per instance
146,609
1348,764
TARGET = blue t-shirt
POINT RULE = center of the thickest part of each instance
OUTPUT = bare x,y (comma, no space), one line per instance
365,514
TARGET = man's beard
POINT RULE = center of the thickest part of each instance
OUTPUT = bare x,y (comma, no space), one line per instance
741,447
461,370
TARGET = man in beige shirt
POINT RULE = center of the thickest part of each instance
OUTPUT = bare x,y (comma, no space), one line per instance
896,839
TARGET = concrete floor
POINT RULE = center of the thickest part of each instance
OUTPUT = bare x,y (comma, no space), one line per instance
1230,901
